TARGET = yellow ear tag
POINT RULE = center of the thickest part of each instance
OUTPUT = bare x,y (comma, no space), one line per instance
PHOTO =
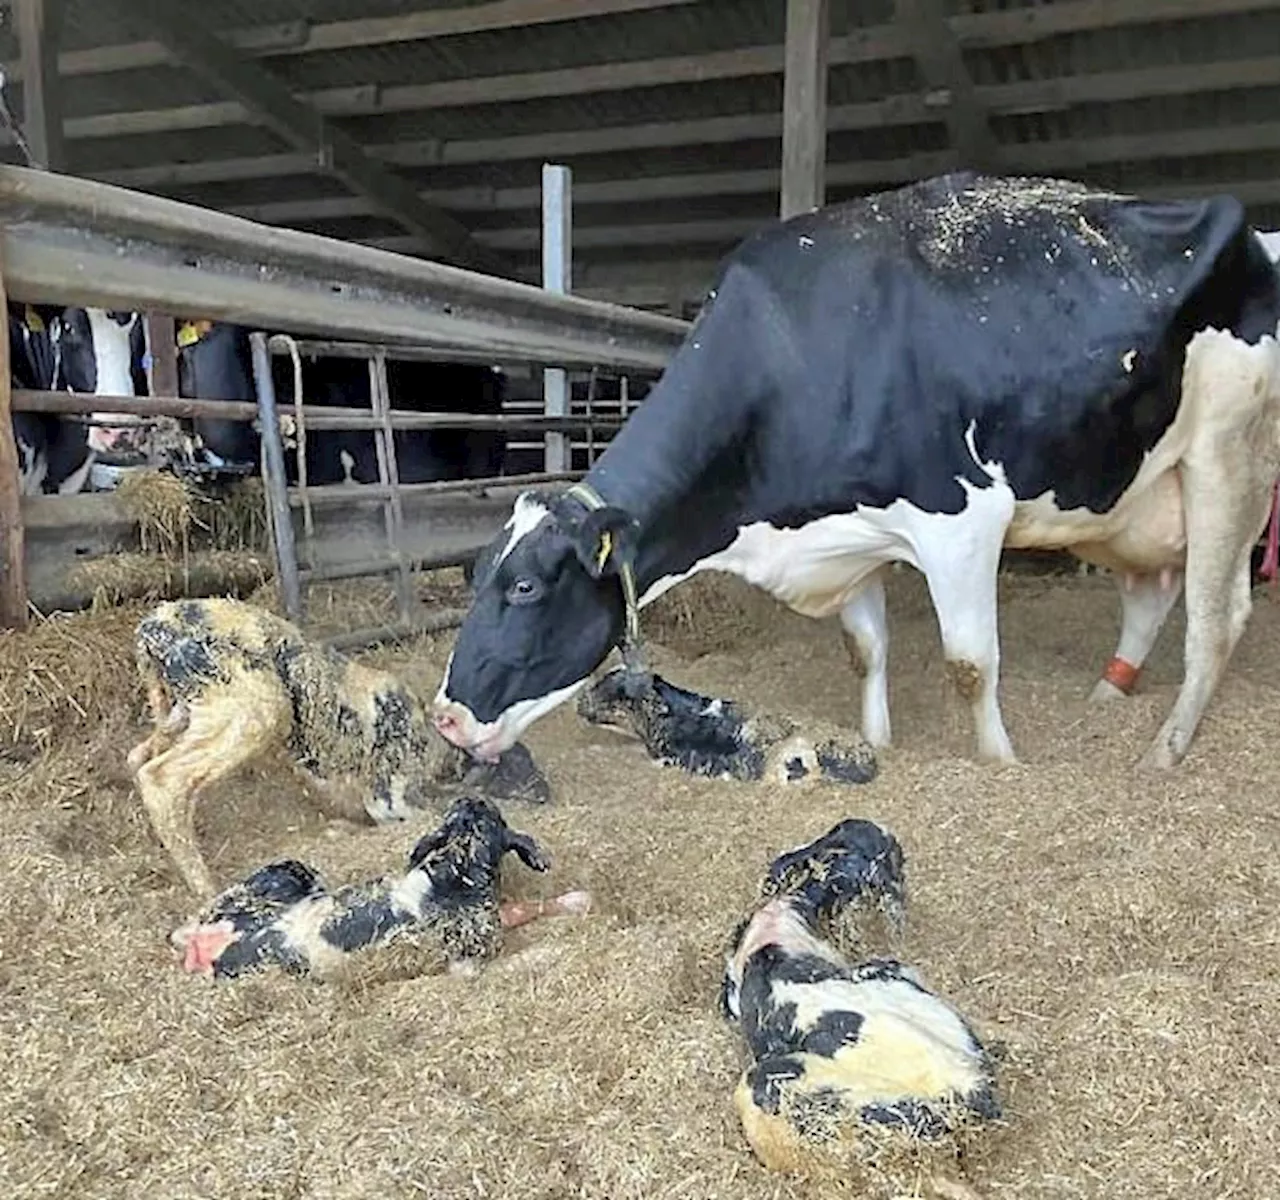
32,319
606,548
188,335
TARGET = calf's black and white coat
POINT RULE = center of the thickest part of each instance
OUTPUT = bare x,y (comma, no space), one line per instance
838,1046
445,903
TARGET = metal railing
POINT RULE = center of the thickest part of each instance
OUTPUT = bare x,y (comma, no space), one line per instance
74,242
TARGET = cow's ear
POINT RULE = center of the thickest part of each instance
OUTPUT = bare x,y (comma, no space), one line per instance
605,540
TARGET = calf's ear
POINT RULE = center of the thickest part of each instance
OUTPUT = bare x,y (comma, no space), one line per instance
604,541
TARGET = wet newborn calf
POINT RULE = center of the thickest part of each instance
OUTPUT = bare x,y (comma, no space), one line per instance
228,683
837,1046
721,738
446,904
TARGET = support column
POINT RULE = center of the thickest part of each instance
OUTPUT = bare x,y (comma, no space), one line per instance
13,577
557,276
804,107
39,32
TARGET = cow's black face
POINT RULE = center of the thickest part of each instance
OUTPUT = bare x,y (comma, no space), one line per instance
77,361
547,609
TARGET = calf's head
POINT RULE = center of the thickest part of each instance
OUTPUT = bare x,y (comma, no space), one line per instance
463,856
547,609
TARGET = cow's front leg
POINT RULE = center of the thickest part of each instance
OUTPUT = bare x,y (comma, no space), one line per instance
961,561
1145,603
1234,392
866,638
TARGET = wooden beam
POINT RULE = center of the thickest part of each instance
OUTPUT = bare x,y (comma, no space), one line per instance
1066,155
39,32
804,106
869,44
307,130
13,577
308,37
899,110
940,61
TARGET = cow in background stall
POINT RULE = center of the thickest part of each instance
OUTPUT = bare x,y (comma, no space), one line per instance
102,352
215,363
53,452
927,375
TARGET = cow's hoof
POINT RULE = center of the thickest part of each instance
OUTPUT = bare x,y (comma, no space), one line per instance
1105,692
1163,755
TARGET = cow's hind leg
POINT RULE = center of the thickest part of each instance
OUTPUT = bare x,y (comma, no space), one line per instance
1227,474
866,638
960,558
221,734
1145,603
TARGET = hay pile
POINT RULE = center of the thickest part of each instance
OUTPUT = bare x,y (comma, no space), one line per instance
64,677
190,542
1115,931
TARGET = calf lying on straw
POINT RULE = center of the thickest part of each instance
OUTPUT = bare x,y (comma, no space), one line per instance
445,904
722,738
840,1048
227,683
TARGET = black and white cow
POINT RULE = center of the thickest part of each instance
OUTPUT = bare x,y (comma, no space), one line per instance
102,352
53,453
216,364
928,375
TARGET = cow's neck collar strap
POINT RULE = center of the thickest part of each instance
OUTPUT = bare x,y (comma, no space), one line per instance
585,494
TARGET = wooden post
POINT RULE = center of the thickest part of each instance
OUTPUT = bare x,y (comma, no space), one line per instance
162,346
39,32
274,482
804,108
557,276
13,575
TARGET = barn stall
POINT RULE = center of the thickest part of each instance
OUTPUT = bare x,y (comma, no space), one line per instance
1112,933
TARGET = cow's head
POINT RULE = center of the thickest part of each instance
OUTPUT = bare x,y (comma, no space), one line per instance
548,607
99,351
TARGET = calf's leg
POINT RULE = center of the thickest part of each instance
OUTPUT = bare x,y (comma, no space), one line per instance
222,733
1227,475
866,638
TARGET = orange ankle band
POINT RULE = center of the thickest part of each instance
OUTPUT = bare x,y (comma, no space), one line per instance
1121,674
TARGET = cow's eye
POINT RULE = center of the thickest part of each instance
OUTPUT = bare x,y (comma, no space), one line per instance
524,591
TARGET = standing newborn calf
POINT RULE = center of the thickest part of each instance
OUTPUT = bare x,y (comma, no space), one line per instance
839,1046
227,683
447,901
721,738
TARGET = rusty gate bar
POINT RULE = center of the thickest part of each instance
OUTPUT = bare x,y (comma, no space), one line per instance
274,480
67,240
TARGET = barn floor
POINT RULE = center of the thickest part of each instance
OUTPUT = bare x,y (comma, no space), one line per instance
1117,932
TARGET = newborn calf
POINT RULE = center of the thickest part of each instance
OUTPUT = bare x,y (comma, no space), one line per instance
721,738
228,683
839,1047
446,903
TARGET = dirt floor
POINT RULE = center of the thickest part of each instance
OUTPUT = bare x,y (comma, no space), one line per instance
1117,933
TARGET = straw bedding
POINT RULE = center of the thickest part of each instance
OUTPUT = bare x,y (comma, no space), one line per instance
1114,932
